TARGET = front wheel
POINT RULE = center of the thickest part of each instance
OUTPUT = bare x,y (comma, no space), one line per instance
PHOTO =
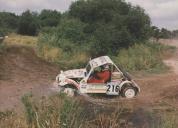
129,92
69,92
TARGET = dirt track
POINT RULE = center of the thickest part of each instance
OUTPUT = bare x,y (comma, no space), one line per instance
163,87
21,71
173,61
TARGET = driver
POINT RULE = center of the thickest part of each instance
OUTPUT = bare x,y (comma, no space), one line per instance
100,77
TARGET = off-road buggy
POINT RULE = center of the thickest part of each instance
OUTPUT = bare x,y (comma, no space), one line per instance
77,80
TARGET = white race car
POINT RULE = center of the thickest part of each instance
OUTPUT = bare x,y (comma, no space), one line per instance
115,80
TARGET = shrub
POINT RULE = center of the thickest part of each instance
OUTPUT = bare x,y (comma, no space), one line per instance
142,57
57,111
54,47
72,30
76,60
51,54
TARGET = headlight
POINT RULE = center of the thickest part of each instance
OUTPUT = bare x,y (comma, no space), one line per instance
60,78
57,78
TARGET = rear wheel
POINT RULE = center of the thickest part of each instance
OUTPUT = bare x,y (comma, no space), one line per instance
129,92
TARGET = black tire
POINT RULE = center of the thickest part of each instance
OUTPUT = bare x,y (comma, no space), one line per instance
69,88
129,91
69,92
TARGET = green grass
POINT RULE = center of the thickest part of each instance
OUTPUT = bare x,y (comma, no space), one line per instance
147,57
66,56
60,111
143,57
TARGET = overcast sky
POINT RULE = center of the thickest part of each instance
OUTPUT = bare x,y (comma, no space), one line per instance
163,13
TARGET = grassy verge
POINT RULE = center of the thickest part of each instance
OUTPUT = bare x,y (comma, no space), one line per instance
15,39
60,111
144,57
147,57
64,59
66,56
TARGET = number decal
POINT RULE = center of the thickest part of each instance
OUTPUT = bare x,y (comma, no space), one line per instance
117,88
109,86
112,89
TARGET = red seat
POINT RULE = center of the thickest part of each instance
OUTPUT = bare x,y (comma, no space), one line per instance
101,77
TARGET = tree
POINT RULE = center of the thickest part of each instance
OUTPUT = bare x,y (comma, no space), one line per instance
155,32
92,11
28,24
113,24
175,33
49,18
8,21
164,33
109,40
73,30
138,24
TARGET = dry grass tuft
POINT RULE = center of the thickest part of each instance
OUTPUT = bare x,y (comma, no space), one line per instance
51,54
15,39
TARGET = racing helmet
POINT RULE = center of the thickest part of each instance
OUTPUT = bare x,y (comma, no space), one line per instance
106,67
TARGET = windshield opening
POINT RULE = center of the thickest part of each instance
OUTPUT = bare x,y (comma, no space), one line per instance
88,68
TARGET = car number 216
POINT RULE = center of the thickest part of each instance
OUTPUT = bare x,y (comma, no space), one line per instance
112,89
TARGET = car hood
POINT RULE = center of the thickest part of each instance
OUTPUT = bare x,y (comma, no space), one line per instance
75,73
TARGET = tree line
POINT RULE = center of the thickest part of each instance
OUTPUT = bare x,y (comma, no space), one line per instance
28,23
163,33
103,25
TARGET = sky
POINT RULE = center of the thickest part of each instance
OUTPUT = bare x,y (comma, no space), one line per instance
163,13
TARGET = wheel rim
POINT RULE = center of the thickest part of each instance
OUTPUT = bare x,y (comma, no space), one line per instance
69,92
130,93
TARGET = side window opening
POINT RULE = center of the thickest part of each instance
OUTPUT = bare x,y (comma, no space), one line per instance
101,74
116,75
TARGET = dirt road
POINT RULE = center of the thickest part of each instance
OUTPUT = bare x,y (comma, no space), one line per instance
21,72
162,87
173,61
